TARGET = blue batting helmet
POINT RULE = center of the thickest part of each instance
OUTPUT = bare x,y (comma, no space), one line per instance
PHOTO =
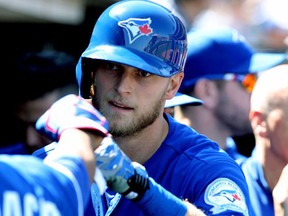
138,33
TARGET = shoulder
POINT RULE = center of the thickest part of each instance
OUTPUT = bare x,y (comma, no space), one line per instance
183,138
18,162
183,133
198,153
32,177
25,167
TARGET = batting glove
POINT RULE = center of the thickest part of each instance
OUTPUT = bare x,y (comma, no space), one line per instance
71,111
122,175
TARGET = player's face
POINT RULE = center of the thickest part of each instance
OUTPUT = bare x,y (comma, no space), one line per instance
277,132
131,99
28,113
233,108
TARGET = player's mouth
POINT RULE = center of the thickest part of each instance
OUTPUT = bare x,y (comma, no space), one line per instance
119,107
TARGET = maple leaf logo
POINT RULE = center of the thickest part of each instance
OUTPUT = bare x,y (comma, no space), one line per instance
145,29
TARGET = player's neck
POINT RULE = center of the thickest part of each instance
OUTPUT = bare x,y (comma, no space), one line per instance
142,146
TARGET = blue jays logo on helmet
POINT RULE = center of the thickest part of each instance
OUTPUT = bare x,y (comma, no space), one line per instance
136,27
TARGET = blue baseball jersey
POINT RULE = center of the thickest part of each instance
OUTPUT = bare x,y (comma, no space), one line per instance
15,148
192,167
29,186
260,193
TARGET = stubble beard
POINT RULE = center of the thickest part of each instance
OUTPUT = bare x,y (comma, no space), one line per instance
123,126
237,126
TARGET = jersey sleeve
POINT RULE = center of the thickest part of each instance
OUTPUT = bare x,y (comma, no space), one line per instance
31,186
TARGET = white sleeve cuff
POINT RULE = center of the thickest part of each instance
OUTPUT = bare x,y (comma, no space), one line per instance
100,181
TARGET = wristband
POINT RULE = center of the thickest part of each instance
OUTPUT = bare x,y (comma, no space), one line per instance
158,201
138,183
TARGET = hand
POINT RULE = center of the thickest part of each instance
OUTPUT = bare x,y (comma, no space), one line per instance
122,175
280,194
132,181
71,111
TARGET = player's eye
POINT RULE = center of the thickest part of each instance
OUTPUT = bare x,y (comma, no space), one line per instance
144,73
111,66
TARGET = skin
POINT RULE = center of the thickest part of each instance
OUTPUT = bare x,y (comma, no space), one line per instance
133,102
29,112
84,143
269,120
234,104
225,111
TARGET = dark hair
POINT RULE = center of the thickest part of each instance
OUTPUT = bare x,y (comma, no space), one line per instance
37,73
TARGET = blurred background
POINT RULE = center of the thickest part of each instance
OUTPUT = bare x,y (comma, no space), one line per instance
67,24
34,24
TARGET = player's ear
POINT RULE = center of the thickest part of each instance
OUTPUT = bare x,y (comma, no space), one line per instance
91,90
92,86
207,91
174,84
258,123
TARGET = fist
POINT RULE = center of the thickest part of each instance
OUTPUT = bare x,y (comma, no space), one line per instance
71,111
122,175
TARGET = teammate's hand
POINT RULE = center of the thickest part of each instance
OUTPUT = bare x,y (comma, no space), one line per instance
71,111
122,175
280,194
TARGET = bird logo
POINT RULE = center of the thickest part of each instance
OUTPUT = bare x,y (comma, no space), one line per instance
136,27
224,194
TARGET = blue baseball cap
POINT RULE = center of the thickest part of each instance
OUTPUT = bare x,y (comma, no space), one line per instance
183,99
212,53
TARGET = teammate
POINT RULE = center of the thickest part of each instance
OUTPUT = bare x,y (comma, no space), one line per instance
266,170
221,69
132,65
42,77
61,184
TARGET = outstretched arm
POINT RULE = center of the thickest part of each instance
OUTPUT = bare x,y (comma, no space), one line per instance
132,181
77,127
78,143
61,185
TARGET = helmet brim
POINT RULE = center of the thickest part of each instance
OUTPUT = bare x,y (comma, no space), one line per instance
131,57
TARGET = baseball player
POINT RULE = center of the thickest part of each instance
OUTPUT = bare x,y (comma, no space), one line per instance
266,170
132,65
31,68
223,70
59,185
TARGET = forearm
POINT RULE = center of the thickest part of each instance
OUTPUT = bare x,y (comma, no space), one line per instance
79,143
132,181
158,201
